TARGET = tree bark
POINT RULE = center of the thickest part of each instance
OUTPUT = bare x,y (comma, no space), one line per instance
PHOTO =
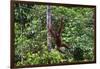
48,32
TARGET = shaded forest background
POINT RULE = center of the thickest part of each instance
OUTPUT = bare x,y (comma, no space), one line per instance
31,34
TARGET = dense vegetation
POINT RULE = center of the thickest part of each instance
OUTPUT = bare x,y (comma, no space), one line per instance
31,34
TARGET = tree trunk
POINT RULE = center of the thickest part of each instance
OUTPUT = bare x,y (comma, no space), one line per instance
48,33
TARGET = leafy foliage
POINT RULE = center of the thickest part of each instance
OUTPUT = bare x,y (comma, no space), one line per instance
31,34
